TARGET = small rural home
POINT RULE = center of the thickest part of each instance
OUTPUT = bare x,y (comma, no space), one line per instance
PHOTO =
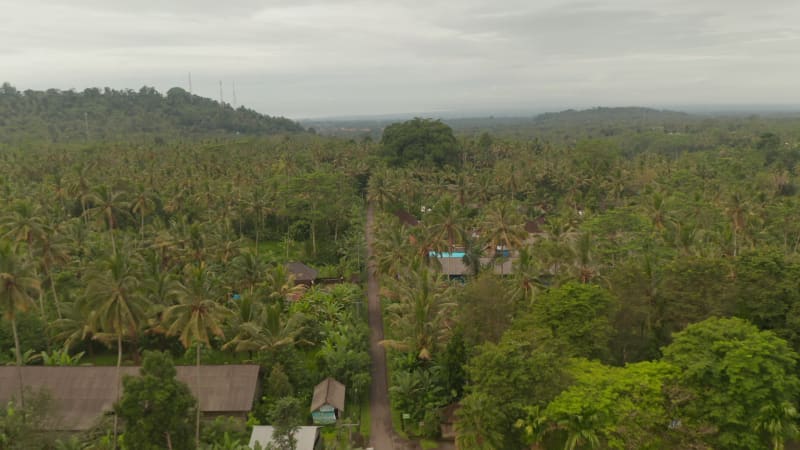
307,438
328,402
453,265
84,393
302,273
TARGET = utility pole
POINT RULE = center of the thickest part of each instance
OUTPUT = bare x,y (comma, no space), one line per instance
221,99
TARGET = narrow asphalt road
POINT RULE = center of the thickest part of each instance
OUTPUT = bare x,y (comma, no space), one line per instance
380,433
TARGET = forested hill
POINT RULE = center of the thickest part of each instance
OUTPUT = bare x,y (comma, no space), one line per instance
108,114
610,116
600,121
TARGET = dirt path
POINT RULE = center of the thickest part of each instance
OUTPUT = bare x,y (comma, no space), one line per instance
381,436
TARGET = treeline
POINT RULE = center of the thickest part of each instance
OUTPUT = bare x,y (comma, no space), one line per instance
119,115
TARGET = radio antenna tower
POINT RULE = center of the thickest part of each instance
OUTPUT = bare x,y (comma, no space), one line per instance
233,83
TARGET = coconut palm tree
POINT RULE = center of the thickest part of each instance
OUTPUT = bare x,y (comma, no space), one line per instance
23,223
418,313
195,317
117,304
380,191
75,325
143,204
393,248
52,249
81,187
503,227
17,282
108,206
271,330
248,270
444,226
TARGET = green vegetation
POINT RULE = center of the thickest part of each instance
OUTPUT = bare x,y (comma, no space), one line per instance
156,407
174,238
628,231
110,115
625,278
422,140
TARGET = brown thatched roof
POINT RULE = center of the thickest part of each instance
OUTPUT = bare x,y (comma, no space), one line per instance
329,392
83,393
302,273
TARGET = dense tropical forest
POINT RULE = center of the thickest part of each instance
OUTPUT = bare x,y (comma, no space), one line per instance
652,299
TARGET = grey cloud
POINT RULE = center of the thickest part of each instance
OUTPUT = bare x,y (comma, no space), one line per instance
314,57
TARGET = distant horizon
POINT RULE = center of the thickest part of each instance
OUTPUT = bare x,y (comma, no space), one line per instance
731,108
345,58
697,109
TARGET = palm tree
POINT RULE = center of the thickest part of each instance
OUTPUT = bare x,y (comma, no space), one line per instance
195,317
380,191
143,204
81,187
259,206
392,248
75,325
24,223
52,250
17,282
584,264
248,269
108,206
117,304
444,226
737,209
270,331
418,312
503,227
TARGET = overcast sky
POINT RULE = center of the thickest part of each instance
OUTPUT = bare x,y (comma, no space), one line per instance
314,58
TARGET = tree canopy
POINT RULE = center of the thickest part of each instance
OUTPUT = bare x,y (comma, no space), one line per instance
425,141
156,407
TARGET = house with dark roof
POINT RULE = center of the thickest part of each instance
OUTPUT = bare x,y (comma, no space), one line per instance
302,273
84,393
328,402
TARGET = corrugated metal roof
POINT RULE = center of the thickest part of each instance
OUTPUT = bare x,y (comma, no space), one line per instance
83,393
305,436
455,265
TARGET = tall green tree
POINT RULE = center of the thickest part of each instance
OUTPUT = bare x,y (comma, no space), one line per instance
424,140
117,304
156,407
525,369
735,381
579,314
418,312
195,317
17,283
